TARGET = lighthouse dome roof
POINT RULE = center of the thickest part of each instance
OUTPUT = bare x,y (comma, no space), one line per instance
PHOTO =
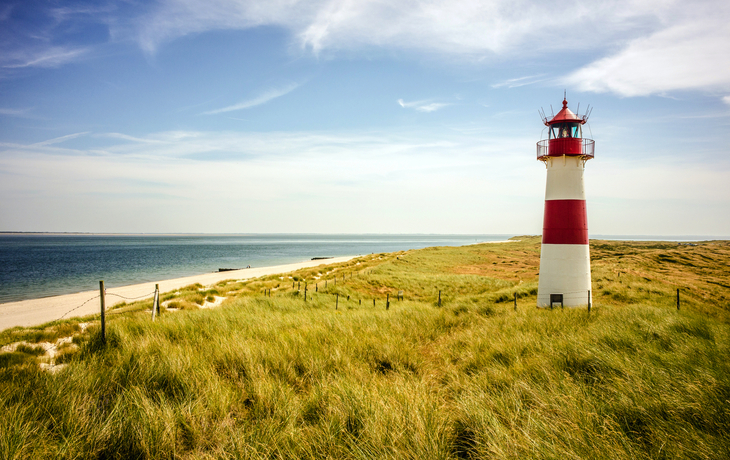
566,115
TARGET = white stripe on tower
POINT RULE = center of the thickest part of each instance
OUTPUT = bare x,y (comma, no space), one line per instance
565,266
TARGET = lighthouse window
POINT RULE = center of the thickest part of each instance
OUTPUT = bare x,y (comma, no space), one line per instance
565,130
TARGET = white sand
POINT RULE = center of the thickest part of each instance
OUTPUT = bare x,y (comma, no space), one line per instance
38,311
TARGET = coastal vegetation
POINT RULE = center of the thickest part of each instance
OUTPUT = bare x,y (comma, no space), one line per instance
326,362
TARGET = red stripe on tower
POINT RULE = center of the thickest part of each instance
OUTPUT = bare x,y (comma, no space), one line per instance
565,222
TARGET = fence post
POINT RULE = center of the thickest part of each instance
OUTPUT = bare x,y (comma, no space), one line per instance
677,298
316,287
103,311
589,300
337,301
157,296
154,304
387,302
439,298
515,301
305,292
373,302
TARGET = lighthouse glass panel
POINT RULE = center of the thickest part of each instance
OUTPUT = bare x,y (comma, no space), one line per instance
565,130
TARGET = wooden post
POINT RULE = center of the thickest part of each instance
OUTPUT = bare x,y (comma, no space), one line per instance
156,302
515,301
325,283
359,301
316,287
103,311
439,298
299,286
373,302
589,301
677,298
337,301
305,292
348,298
387,302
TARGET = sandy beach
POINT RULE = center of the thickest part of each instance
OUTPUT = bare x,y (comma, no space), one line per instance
38,311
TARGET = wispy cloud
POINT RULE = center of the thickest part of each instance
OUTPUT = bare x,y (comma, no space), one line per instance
521,81
263,98
54,56
422,106
132,138
14,112
58,140
726,100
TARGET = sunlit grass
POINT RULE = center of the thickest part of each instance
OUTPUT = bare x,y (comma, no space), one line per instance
289,377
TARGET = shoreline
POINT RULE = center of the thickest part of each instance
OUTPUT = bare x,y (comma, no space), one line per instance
33,312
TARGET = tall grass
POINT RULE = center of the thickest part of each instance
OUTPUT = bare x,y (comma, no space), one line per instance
281,377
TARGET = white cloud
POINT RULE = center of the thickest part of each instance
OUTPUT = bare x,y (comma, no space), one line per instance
689,54
422,106
469,27
655,46
663,45
258,100
726,100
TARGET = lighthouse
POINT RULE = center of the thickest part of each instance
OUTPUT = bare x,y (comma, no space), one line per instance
565,264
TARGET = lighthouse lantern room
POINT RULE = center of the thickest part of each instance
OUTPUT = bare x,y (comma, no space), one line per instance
565,265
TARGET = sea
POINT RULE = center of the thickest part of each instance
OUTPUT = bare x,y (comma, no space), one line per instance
41,265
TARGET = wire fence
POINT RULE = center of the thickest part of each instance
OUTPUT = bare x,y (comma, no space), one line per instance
76,308
106,294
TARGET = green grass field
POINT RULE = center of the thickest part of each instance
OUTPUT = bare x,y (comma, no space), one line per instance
336,376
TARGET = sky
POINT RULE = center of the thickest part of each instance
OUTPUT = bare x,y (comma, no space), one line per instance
358,116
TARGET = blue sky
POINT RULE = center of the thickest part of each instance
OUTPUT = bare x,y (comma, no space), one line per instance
358,116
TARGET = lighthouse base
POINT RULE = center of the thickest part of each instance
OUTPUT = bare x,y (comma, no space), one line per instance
565,276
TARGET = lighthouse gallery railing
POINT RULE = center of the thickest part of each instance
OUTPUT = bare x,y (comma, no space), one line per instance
587,148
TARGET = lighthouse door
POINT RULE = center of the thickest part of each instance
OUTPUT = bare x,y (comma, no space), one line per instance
556,299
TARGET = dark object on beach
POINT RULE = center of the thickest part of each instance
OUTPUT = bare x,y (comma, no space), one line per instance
321,258
227,269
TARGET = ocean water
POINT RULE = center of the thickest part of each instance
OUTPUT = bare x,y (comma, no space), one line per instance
41,265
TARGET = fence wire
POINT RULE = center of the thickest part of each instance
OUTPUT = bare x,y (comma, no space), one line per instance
106,294
130,298
76,308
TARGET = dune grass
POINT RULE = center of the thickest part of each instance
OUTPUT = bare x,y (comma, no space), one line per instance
289,377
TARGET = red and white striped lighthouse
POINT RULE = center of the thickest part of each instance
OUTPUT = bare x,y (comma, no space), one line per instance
565,264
